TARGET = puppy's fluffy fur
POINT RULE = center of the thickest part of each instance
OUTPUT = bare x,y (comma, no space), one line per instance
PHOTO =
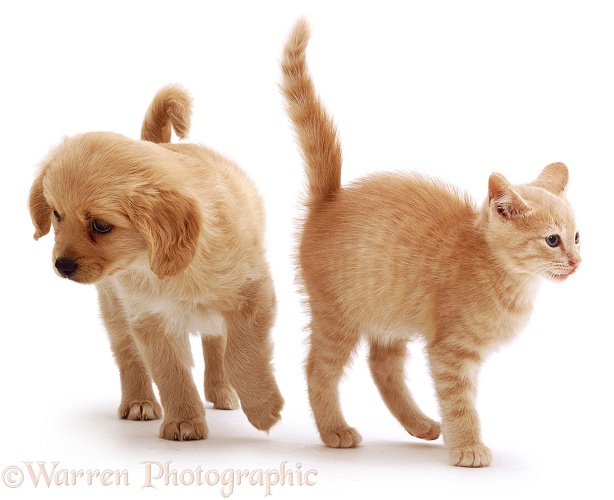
172,237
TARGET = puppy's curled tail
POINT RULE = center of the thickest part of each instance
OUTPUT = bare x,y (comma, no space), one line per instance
171,108
315,130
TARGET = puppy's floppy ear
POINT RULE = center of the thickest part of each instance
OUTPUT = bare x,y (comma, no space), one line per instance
170,222
40,211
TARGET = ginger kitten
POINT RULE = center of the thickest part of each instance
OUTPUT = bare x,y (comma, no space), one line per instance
392,257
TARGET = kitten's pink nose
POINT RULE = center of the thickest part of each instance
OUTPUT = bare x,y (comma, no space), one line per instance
575,262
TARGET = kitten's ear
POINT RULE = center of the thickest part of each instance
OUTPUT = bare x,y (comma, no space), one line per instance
504,200
553,178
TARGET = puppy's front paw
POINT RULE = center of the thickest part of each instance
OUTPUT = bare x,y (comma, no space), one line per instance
184,429
344,437
140,410
475,455
266,415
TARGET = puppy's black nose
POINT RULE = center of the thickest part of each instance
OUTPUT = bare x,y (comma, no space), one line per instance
66,267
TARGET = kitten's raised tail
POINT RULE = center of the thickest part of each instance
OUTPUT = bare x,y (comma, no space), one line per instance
316,132
171,108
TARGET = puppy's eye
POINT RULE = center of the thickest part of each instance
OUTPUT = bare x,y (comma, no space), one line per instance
553,240
57,216
101,227
577,237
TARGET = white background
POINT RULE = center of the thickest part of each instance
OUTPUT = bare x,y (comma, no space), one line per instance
452,89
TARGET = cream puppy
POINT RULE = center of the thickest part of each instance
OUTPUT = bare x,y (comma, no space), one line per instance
172,235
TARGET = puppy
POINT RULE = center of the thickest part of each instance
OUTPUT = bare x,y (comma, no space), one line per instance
172,237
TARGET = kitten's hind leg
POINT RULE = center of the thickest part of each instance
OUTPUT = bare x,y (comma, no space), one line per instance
330,350
386,361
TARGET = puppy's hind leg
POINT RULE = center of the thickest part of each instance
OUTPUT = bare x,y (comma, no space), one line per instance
249,352
138,400
217,386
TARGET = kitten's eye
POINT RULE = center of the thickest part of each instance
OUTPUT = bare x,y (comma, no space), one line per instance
577,237
553,240
57,216
101,227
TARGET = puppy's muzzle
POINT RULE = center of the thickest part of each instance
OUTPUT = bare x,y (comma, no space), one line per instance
66,267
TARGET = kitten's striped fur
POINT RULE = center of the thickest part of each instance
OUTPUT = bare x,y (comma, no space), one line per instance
393,256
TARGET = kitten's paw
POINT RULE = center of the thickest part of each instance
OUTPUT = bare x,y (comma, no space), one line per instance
266,415
475,455
427,429
140,410
184,429
224,398
344,437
